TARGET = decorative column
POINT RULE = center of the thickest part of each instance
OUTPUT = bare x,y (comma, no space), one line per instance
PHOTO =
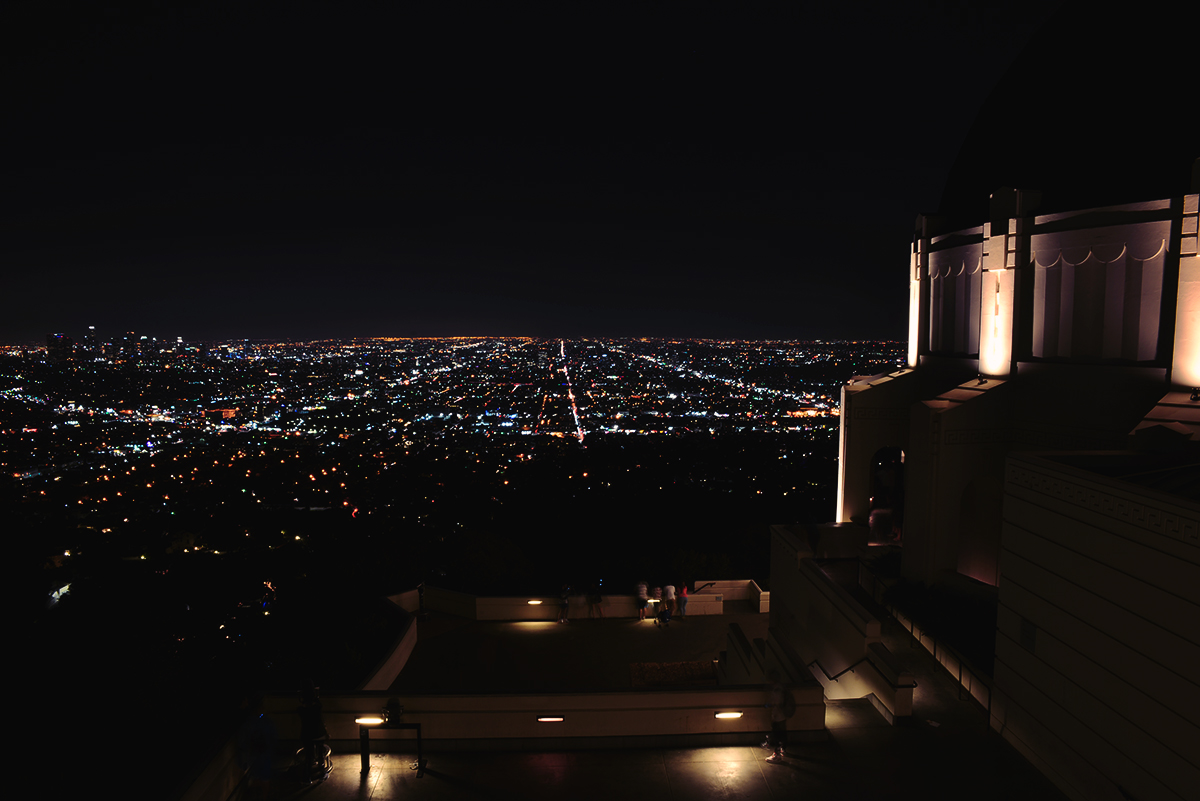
918,292
1005,252
1185,363
999,295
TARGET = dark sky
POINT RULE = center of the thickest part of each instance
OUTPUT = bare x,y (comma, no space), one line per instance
308,170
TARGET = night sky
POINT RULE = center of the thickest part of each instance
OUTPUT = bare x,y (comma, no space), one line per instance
307,170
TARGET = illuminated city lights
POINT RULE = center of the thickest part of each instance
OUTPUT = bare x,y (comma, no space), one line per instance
228,453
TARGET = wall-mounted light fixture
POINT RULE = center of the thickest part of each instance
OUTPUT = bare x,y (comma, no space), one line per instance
534,603
726,715
550,719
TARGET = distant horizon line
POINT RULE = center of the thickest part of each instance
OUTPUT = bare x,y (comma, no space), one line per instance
307,340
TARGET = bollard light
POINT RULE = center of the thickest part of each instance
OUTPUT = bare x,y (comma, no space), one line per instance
388,718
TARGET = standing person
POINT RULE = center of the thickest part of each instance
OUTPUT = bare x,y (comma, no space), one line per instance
668,603
683,600
564,603
595,601
313,736
643,600
778,697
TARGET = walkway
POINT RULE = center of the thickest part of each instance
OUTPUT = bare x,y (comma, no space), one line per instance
864,759
455,655
948,752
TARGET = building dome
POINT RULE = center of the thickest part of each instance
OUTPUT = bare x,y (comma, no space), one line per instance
1099,109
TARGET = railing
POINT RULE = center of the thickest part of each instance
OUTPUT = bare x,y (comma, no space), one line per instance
849,668
530,719
839,673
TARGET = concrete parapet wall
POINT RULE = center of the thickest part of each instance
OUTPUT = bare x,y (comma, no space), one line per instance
521,609
409,601
735,590
760,598
705,604
518,607
611,606
386,672
504,717
450,602
730,589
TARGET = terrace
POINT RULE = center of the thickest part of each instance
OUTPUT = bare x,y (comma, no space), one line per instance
478,686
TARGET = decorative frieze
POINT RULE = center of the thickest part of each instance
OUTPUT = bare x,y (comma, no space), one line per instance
880,413
1135,511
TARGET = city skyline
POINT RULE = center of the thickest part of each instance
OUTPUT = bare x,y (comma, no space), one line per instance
790,377
83,339
94,449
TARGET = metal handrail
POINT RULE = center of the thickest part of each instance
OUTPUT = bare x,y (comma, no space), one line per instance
852,667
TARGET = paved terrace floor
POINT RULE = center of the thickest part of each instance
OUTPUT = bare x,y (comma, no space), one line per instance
456,655
948,752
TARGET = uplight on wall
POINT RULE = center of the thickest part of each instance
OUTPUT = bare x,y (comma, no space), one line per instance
995,329
1185,368
914,312
726,715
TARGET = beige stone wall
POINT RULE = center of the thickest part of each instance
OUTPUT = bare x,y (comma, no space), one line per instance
1097,676
874,415
954,482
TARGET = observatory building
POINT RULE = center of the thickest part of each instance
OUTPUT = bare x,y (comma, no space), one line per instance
1040,454
1043,447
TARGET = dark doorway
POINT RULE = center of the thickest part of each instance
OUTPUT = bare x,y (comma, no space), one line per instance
887,495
